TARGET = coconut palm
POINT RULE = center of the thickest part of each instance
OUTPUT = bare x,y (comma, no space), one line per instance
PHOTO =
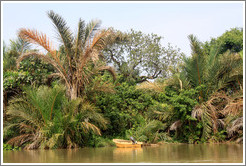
78,60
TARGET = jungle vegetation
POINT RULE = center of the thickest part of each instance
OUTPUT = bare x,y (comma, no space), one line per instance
102,84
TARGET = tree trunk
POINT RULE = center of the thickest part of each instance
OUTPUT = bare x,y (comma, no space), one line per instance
73,92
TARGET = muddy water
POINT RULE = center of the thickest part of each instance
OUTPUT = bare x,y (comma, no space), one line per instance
168,153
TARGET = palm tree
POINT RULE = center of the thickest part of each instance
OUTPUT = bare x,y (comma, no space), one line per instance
216,71
44,118
31,115
78,61
195,66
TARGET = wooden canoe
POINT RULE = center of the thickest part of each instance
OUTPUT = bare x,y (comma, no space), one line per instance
120,143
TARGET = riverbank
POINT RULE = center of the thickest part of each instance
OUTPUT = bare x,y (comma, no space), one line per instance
110,143
166,153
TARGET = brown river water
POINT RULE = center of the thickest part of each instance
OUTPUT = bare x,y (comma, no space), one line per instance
167,153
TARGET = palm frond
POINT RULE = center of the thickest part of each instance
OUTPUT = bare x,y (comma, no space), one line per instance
63,31
197,112
22,109
99,42
38,55
36,141
176,125
90,112
109,69
195,45
234,108
33,36
195,66
90,30
80,36
220,123
19,45
236,126
20,140
207,121
86,126
161,112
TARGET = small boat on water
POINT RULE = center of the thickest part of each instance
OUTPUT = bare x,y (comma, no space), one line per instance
120,143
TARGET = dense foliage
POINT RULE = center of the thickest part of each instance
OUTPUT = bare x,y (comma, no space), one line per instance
139,57
65,99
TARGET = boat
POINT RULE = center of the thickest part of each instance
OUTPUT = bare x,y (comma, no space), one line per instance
120,143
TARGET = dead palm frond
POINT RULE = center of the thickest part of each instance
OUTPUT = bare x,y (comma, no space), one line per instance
208,113
197,112
234,108
109,69
220,123
235,127
219,112
176,125
20,140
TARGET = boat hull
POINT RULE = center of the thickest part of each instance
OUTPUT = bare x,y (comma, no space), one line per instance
126,144
118,145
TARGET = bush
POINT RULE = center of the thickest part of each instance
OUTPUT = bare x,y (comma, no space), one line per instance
98,141
10,147
124,108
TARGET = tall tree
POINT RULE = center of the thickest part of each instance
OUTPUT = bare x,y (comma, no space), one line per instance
79,60
140,56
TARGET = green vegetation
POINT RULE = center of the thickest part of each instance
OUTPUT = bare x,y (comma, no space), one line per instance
140,57
9,147
70,97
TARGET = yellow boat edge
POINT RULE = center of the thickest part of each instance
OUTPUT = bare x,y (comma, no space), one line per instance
126,144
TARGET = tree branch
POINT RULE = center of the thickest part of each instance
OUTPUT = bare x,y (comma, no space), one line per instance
112,57
155,75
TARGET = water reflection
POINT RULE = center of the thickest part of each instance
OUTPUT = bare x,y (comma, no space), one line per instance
168,153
